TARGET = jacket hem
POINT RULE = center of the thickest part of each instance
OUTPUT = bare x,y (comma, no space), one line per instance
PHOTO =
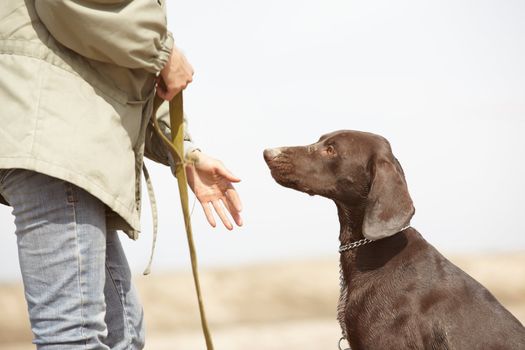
130,220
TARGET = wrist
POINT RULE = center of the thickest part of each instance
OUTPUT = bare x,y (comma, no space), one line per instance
193,155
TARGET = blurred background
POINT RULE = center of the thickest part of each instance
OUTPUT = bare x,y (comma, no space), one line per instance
443,81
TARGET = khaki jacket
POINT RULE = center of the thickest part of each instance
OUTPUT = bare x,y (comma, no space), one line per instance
76,87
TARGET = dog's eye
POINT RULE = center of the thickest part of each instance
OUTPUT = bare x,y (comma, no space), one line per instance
330,150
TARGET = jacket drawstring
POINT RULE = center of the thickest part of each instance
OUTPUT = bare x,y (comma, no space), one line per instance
154,215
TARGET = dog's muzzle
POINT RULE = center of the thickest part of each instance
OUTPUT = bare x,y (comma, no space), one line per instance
271,153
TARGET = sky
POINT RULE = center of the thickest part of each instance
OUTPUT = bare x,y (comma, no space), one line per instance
443,81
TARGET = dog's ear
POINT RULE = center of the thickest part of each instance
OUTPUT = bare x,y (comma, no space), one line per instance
389,206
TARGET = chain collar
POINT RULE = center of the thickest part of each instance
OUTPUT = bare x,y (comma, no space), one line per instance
342,283
361,242
354,245
342,287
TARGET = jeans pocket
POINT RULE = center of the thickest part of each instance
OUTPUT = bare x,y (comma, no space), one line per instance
4,173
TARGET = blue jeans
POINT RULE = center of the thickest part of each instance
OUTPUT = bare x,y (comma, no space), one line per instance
76,277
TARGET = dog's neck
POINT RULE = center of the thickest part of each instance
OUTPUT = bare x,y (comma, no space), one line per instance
356,262
351,222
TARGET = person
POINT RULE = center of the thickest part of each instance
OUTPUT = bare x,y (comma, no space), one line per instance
78,79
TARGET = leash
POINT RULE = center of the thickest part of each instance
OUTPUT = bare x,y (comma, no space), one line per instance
176,148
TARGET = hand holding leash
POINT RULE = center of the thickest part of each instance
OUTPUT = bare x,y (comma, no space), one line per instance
175,76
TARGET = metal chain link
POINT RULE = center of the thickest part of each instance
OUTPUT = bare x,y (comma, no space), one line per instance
342,282
340,344
342,249
353,245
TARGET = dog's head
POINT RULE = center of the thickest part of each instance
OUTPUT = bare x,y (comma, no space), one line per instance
355,168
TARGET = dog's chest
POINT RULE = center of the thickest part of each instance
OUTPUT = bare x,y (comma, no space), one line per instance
341,307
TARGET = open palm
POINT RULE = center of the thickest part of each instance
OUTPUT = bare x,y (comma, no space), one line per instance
212,184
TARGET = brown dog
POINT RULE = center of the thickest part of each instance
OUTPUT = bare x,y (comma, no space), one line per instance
398,292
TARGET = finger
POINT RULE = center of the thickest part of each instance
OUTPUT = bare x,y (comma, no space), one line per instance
233,198
161,92
221,170
209,214
219,210
171,93
188,66
168,93
233,212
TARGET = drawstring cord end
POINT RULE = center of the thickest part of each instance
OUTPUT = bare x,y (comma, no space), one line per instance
154,214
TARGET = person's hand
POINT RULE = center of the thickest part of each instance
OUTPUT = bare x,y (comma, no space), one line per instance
175,76
212,184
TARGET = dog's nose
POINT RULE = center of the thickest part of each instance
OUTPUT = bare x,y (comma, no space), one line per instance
271,153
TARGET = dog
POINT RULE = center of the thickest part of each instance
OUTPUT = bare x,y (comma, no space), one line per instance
398,291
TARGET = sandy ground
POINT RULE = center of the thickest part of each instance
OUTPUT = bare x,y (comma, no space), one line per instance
288,305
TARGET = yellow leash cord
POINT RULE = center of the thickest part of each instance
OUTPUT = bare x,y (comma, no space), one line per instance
176,148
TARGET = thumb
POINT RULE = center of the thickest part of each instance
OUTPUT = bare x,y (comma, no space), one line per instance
221,170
